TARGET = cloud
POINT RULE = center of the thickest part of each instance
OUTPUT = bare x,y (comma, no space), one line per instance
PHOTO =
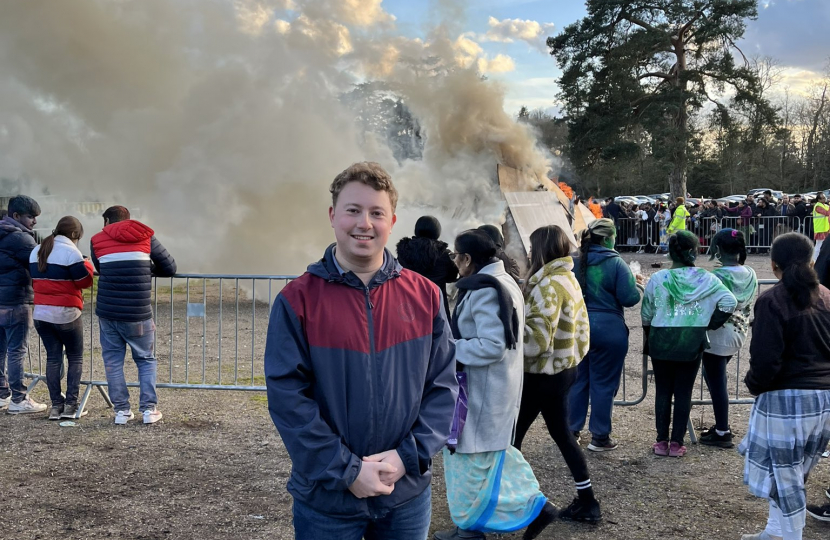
321,35
468,53
799,81
253,15
510,30
500,64
362,13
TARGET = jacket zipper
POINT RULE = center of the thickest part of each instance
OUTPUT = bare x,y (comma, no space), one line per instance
372,366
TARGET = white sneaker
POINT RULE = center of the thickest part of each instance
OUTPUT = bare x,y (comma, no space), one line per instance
152,416
26,406
4,402
122,417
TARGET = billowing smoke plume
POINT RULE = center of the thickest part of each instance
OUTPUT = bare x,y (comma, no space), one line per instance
219,123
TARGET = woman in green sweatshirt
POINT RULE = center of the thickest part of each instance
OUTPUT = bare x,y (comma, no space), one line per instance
678,306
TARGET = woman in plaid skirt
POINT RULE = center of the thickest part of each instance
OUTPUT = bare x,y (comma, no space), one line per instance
789,371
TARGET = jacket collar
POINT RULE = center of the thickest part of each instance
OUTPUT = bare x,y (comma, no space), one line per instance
328,269
9,221
563,265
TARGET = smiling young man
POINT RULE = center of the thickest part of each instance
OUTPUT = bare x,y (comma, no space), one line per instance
360,371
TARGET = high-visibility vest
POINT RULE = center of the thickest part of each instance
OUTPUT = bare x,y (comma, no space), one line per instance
679,221
821,223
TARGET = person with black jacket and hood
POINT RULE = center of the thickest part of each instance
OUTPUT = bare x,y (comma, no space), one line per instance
510,265
17,240
426,255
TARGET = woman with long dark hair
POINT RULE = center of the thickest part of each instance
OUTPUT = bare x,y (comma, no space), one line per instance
678,306
608,287
556,340
490,486
789,372
729,248
59,274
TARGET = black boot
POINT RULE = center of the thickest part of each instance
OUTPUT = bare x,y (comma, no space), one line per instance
459,534
588,512
545,518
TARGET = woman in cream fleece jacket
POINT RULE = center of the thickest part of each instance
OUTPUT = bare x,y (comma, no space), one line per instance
556,338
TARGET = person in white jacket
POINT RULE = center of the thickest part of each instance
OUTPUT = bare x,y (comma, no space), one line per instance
490,486
729,248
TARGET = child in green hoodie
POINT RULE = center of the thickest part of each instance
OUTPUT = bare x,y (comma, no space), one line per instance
678,306
729,248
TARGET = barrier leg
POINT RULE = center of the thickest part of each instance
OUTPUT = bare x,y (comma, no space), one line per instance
82,402
692,434
105,395
36,379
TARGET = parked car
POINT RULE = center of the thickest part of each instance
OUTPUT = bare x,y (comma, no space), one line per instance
757,193
627,199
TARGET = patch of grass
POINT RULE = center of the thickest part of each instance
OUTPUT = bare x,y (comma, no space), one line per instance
259,398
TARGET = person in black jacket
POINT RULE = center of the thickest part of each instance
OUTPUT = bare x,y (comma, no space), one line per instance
765,212
17,240
426,255
510,265
127,255
789,372
798,213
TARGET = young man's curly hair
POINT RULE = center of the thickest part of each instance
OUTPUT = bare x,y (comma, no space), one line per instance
368,173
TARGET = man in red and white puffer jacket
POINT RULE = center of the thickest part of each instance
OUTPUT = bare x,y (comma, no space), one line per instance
127,256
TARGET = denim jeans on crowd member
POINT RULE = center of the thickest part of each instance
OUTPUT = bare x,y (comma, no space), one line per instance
714,373
409,521
598,375
14,335
56,338
140,336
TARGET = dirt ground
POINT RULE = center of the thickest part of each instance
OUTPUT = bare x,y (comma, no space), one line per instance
215,468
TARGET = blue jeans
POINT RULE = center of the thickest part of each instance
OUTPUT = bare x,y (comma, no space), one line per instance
598,375
409,521
140,336
56,338
14,333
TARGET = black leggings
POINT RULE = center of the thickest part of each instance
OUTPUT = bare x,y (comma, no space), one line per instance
676,379
548,394
714,373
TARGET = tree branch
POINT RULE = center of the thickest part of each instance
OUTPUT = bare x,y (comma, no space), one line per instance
639,22
655,74
699,14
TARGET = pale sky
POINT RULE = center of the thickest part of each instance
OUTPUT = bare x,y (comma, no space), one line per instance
795,32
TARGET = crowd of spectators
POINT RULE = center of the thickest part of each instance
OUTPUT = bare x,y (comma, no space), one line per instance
761,220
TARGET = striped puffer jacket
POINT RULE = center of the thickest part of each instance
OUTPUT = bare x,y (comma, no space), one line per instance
66,274
127,256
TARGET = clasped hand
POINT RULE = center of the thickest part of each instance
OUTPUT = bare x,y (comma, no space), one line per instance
378,474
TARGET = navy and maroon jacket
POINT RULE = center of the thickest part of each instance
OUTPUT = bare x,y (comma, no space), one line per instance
127,256
67,273
353,371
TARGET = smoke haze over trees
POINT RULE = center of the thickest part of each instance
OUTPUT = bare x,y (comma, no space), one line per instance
225,121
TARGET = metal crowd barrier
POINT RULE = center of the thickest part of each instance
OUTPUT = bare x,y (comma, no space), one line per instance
644,235
210,334
642,375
